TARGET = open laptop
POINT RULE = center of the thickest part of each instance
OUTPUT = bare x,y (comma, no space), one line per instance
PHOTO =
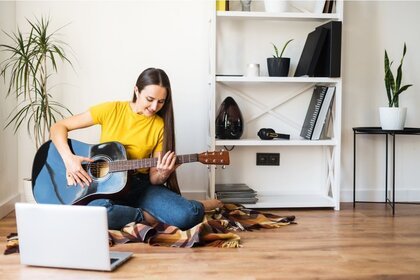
65,236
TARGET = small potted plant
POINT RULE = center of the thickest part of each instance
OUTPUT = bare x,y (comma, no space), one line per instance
393,117
278,66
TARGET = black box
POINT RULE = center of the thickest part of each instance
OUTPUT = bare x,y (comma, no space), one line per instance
311,52
329,61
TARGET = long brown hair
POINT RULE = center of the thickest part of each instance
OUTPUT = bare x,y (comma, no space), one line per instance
155,76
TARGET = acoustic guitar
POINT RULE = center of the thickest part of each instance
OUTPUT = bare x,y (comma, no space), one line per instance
109,171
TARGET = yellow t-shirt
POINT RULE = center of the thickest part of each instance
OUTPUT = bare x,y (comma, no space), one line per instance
140,135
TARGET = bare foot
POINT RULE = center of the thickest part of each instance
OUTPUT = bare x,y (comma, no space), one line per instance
211,204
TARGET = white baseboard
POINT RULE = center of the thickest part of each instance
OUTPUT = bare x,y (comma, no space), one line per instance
345,195
405,195
8,205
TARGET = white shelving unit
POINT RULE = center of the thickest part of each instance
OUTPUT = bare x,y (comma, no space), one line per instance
309,171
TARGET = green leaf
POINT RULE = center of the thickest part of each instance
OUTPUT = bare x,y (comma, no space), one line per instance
276,51
393,85
31,58
284,47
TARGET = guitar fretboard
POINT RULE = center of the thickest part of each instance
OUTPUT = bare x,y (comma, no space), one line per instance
124,165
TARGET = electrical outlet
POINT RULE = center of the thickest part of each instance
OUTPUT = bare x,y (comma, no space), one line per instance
268,158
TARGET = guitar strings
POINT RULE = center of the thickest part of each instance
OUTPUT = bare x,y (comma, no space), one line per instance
95,167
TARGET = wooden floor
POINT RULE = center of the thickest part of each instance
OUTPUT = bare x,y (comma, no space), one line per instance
365,243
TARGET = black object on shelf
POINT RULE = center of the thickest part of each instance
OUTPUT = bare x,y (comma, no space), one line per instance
311,52
329,61
312,113
269,134
328,6
229,121
278,67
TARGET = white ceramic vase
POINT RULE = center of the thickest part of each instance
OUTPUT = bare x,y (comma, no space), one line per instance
276,6
392,118
27,191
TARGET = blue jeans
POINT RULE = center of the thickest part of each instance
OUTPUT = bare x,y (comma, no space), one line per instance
157,200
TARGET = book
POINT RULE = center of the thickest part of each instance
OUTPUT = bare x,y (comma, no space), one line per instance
329,61
328,7
239,200
222,5
323,113
310,53
312,113
236,193
326,132
236,187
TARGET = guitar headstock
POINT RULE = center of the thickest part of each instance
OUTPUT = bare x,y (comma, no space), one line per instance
216,157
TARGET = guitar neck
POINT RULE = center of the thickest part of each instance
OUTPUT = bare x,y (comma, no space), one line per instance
124,165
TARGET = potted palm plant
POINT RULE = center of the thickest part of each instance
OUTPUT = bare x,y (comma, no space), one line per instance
393,117
278,66
32,58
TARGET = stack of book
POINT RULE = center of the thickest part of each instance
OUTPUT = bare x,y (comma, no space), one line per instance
236,193
318,116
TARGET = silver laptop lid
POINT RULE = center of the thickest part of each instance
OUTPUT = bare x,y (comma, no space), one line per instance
64,236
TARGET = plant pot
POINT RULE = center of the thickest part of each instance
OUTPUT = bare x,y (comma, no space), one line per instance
27,191
278,67
392,118
229,121
275,6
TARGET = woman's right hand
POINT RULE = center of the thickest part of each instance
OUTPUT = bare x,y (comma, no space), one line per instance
75,173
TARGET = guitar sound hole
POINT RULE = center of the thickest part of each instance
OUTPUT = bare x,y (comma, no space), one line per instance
99,168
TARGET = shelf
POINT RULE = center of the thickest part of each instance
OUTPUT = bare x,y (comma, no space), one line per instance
266,79
278,16
275,142
229,30
291,201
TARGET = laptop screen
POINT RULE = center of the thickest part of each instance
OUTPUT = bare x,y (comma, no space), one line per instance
65,236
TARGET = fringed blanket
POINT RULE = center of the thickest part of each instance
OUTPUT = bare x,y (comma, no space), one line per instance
216,230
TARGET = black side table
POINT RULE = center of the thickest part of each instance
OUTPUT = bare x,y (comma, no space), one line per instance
392,133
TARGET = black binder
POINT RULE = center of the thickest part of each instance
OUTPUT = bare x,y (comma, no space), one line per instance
312,113
311,51
329,62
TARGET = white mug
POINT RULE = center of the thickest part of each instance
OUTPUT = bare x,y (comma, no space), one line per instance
253,70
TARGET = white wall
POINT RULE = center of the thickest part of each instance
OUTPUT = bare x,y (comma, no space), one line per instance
9,187
113,42
369,28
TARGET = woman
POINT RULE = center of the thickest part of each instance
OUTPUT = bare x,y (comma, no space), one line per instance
145,126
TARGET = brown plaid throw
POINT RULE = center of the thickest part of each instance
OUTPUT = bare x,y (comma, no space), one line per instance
216,230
